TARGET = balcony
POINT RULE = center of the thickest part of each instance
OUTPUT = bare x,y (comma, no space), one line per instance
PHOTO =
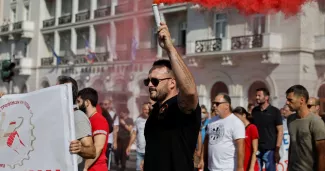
102,12
17,25
210,45
48,61
246,42
24,29
5,28
49,23
124,8
65,19
82,16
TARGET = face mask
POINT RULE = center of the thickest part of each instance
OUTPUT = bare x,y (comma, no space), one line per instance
83,107
203,116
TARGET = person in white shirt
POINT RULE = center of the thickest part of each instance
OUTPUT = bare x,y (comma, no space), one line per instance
225,138
108,106
138,134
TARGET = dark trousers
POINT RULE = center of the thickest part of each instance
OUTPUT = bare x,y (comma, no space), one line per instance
108,152
122,145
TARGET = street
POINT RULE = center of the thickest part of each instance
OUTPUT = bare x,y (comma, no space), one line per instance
130,164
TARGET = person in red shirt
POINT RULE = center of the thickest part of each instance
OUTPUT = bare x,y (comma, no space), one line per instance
87,102
251,140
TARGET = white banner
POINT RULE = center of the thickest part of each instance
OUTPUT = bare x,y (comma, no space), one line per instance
36,129
284,150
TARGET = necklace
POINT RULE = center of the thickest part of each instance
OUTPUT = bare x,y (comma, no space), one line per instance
93,114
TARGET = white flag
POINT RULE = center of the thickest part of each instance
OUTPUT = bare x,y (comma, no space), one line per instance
35,130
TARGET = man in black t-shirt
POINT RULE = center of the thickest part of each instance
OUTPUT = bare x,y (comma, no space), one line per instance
123,137
268,120
172,128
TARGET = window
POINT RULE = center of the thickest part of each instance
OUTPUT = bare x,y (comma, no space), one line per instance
182,35
13,15
84,5
221,25
65,39
258,24
102,32
66,7
103,3
82,37
26,12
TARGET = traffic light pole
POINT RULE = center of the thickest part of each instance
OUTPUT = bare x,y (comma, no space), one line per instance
12,59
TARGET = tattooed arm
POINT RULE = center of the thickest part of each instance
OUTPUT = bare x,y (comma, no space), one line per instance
187,96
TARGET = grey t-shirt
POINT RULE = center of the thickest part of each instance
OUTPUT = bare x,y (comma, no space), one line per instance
304,132
82,129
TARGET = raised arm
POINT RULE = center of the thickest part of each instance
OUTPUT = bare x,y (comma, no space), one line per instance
187,97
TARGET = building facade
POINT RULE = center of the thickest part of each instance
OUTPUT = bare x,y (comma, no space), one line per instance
226,51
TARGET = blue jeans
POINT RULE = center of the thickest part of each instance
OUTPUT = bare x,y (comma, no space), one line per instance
140,157
267,158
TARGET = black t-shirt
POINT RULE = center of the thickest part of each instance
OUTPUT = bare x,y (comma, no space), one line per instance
123,133
171,137
266,122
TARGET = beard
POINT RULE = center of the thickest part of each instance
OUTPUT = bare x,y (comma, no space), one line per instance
82,107
158,95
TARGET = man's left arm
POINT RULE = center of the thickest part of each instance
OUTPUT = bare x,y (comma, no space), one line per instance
239,137
318,134
240,150
320,146
100,141
187,96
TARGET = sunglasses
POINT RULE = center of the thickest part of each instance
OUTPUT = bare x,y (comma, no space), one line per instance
309,106
154,81
218,103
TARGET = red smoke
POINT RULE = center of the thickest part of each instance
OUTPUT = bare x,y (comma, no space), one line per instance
288,7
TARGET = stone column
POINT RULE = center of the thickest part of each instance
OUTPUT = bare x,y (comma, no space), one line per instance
58,5
73,40
75,9
92,37
93,7
56,45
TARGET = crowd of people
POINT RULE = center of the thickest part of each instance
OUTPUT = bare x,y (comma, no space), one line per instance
175,133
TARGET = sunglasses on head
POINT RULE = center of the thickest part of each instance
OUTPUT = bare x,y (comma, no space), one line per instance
154,81
218,103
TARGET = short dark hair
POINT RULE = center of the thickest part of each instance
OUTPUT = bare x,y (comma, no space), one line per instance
162,63
264,90
89,94
240,110
124,110
66,79
226,97
299,90
204,107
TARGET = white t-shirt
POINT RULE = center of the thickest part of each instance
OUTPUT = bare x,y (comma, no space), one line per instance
139,127
116,123
222,134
